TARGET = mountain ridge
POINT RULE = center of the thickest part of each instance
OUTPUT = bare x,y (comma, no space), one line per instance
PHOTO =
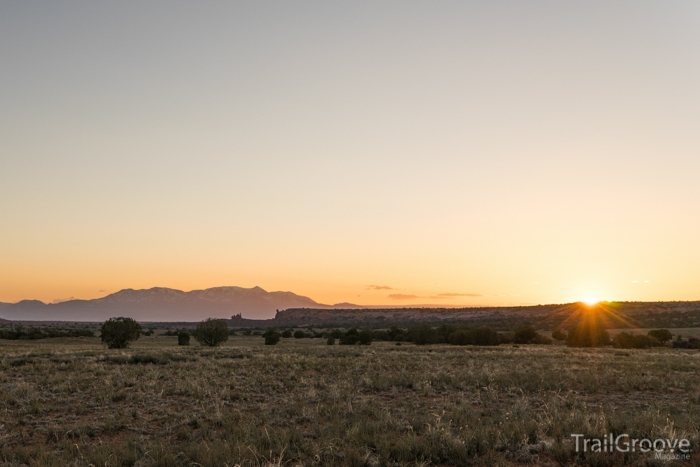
163,304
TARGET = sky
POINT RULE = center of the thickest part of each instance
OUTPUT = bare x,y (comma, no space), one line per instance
380,153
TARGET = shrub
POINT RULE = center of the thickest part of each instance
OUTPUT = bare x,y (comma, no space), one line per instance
691,343
211,332
336,333
526,335
475,336
349,340
625,340
183,338
272,338
588,334
442,333
558,334
117,333
299,334
396,334
287,334
661,335
422,335
330,341
461,337
365,337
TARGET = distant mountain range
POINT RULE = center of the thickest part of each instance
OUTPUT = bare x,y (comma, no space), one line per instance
163,304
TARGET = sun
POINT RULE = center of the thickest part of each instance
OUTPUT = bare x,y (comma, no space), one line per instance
590,301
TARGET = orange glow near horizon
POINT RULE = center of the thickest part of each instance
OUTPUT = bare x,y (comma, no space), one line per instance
476,154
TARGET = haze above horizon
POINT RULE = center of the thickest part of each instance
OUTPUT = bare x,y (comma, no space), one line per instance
490,153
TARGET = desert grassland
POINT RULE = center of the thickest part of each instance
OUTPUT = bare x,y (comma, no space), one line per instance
302,402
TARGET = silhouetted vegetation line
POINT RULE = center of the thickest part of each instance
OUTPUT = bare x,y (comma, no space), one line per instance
21,333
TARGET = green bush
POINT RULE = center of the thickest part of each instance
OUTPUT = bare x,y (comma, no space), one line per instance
330,341
558,334
211,332
299,334
117,333
286,334
272,338
183,338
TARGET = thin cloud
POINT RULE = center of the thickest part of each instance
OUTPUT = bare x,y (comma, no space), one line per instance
401,296
379,287
459,295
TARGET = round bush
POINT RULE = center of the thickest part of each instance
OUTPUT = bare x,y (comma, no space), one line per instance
183,338
330,341
299,334
365,337
118,332
287,334
272,338
211,332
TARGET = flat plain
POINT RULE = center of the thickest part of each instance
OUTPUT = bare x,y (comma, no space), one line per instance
72,402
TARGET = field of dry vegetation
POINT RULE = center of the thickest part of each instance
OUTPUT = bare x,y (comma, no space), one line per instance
72,402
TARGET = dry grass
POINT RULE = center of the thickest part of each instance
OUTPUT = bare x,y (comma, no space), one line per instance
72,402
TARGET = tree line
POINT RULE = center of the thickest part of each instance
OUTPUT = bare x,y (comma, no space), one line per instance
119,332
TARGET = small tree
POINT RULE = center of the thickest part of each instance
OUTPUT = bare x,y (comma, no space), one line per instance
330,340
287,333
118,332
211,332
183,338
661,335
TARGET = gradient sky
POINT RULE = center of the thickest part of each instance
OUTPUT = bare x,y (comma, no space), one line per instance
370,152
